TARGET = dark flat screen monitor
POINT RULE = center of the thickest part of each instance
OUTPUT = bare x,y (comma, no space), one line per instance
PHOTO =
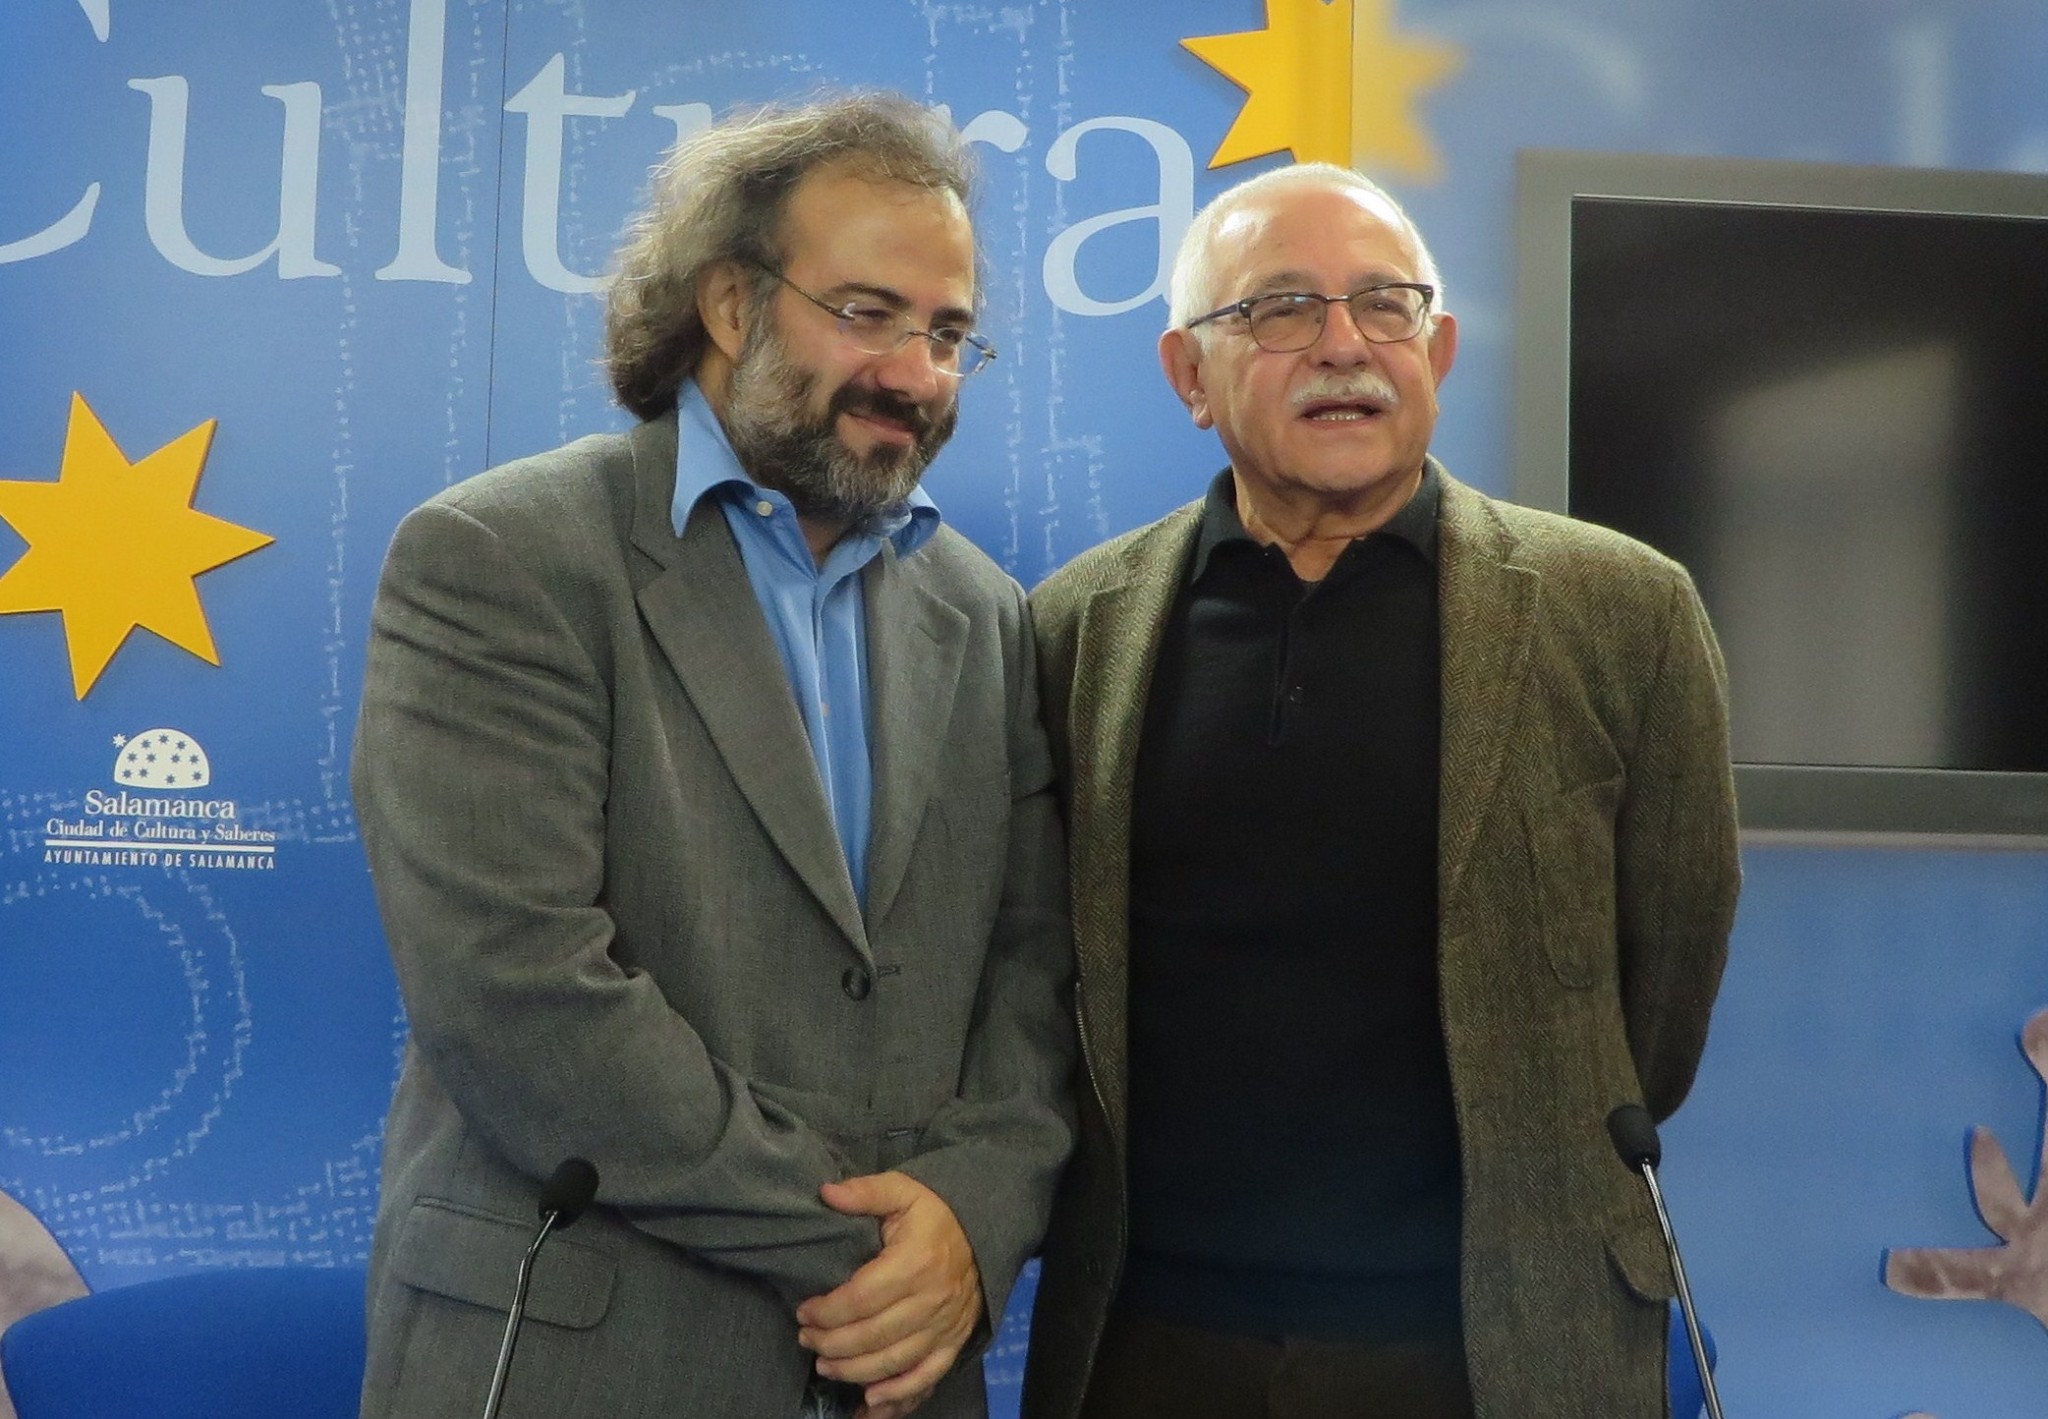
1824,389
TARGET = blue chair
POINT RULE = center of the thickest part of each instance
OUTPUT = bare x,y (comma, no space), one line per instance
1688,1391
223,1344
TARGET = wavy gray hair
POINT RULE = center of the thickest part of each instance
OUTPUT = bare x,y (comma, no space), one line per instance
1192,287
720,195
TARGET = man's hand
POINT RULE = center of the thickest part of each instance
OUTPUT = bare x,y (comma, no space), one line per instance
897,1325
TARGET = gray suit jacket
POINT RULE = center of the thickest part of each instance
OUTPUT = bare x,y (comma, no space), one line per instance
624,929
1587,882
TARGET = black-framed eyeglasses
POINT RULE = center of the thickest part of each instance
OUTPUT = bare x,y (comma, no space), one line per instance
873,329
1284,321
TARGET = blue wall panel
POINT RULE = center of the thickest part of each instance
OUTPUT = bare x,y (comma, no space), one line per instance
195,1053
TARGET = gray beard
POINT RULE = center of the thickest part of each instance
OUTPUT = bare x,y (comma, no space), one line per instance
780,447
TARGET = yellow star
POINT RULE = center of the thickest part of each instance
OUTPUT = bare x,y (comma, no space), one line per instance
114,545
1330,81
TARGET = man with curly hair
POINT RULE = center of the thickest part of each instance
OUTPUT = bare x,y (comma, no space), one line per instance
712,826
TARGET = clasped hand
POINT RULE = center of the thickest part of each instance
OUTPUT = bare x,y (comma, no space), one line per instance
896,1325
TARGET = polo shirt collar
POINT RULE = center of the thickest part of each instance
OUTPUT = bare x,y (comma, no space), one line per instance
1414,524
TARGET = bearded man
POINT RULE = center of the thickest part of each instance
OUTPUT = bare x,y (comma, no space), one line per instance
711,823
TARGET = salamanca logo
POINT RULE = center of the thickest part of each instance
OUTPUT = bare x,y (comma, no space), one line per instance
149,822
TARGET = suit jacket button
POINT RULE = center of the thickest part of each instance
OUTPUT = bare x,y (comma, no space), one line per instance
856,983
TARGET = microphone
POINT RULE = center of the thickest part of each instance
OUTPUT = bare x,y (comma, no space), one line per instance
562,1200
568,1191
1635,1139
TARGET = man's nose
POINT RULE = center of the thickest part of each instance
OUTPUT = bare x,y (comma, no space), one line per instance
912,370
1341,341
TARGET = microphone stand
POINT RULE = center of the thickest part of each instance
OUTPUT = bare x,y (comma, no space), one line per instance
1685,1307
518,1314
568,1191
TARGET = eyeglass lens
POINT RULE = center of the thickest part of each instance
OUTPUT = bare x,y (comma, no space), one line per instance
876,331
1294,321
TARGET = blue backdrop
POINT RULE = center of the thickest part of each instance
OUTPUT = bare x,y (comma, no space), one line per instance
362,238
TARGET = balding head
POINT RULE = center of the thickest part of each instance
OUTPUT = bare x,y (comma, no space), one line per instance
1198,269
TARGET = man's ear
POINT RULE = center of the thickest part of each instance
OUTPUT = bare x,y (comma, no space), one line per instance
1180,356
722,291
1443,346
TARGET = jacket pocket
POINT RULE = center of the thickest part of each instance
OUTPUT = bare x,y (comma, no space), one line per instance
473,1256
1636,1249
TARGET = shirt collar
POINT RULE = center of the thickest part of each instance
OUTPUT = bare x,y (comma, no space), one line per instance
707,466
1414,524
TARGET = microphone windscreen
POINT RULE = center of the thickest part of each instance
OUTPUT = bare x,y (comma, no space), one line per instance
1635,1136
569,1191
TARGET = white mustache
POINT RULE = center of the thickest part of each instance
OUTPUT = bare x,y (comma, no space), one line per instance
1362,385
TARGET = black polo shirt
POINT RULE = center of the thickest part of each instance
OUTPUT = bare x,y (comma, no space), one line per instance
1293,1152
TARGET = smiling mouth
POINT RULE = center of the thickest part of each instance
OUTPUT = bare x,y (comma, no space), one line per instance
885,428
1347,412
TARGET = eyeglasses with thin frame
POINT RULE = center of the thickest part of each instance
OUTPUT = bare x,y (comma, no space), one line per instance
1282,322
957,352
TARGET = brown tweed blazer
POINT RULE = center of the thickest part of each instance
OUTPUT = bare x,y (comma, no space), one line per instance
1588,882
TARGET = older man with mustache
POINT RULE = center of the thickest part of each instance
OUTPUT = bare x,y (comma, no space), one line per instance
1403,844
713,829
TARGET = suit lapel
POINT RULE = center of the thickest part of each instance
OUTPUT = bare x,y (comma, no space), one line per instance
915,645
701,610
1116,648
1488,613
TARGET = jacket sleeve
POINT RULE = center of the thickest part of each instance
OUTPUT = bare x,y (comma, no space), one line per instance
1677,865
481,769
995,1151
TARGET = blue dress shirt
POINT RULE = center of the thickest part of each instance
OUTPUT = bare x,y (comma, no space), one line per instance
816,613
